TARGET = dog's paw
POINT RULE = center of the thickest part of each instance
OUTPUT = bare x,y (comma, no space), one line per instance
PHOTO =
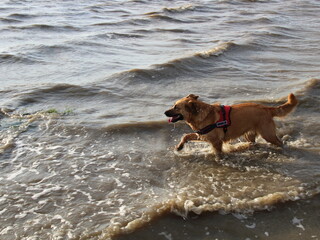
179,147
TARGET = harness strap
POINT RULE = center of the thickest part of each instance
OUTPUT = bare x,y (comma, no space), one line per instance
224,118
224,121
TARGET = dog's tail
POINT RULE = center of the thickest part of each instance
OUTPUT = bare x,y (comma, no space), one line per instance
285,108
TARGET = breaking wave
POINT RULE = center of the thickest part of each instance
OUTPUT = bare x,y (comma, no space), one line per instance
193,64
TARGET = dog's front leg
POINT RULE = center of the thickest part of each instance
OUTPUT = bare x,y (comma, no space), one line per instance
186,138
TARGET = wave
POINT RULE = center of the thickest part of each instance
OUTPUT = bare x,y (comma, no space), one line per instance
12,125
10,20
9,58
193,64
178,205
101,8
216,51
309,93
13,58
46,27
262,20
61,88
163,17
310,87
134,22
62,92
116,35
178,9
174,30
43,50
34,53
22,16
170,14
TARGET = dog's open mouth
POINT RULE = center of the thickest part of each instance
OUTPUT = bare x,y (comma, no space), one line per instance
175,118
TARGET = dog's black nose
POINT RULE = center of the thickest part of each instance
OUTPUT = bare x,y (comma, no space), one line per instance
167,113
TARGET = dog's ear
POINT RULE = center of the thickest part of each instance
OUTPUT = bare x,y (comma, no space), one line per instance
195,97
192,107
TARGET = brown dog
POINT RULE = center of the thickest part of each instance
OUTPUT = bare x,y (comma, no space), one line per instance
248,119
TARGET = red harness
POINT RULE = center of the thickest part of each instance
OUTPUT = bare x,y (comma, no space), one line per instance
223,122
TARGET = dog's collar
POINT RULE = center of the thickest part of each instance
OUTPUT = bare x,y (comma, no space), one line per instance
223,122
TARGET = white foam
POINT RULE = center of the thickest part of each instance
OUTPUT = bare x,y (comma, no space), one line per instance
86,194
37,150
62,219
3,211
240,216
72,151
6,230
20,215
181,8
122,210
126,175
77,177
167,236
253,225
6,143
297,222
302,142
108,155
54,147
45,191
135,194
195,148
14,174
119,183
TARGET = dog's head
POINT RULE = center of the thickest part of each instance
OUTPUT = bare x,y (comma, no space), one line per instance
183,109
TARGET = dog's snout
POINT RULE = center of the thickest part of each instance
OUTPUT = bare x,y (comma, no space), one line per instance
171,112
167,113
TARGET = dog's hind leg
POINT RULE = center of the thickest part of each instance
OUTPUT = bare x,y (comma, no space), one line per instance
250,137
268,133
186,138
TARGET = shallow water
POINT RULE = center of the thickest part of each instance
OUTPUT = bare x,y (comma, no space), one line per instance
86,152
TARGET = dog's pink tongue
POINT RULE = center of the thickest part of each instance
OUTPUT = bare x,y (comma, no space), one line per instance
170,119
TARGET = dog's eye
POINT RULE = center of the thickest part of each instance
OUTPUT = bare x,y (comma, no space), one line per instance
175,107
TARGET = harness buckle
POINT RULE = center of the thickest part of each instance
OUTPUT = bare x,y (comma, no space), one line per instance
222,123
